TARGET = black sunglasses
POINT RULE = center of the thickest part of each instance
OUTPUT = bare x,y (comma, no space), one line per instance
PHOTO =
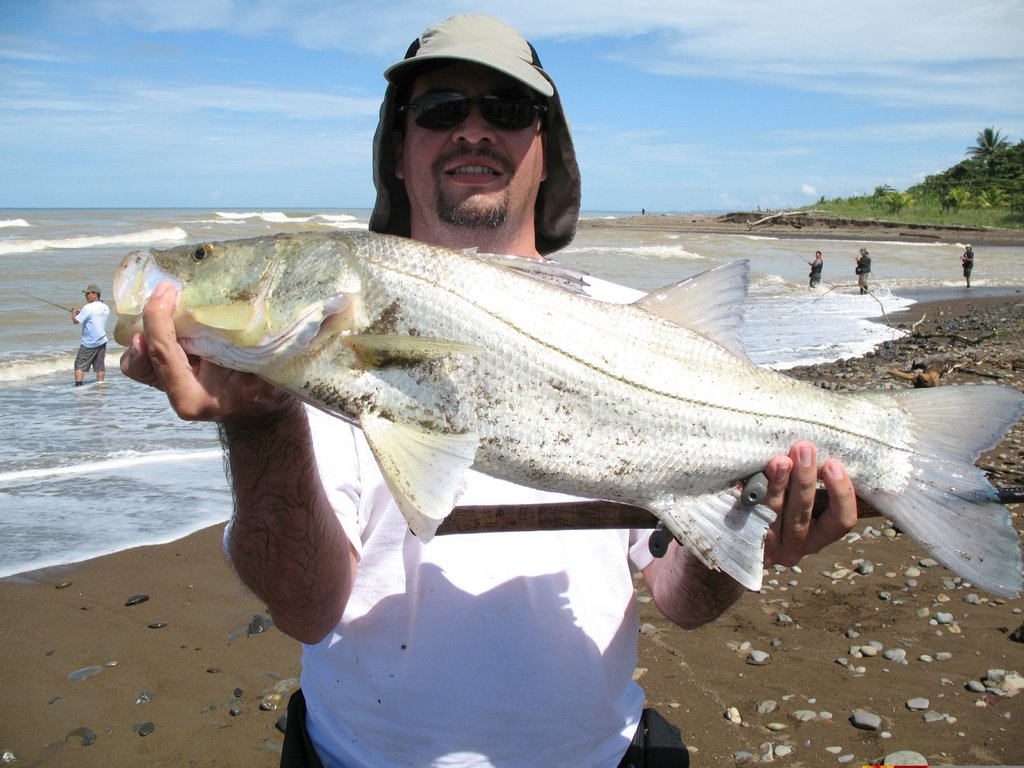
440,111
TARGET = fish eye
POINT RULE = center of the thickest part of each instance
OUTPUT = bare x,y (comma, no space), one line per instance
202,251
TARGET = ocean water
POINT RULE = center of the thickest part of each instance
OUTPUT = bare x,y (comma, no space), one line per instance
92,470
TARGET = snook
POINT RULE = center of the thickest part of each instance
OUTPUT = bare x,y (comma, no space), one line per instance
448,360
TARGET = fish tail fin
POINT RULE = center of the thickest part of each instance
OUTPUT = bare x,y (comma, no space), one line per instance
949,507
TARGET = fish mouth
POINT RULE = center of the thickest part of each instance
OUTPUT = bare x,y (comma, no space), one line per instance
136,278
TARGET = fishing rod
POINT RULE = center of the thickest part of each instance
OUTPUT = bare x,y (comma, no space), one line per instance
37,298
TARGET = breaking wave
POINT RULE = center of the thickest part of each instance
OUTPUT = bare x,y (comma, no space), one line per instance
144,237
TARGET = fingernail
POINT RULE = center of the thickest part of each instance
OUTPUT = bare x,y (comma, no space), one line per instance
805,455
833,470
161,289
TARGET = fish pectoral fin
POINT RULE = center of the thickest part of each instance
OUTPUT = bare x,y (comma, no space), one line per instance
710,303
236,316
423,469
723,532
384,351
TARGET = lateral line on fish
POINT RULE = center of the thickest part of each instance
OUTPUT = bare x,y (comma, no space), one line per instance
636,383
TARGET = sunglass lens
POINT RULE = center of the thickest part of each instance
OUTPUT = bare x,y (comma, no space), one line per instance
507,113
446,114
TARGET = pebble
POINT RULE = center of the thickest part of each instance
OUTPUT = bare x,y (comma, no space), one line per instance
157,624
85,672
867,721
62,584
898,655
974,686
143,697
259,624
270,702
776,726
136,599
917,704
282,723
733,715
783,750
805,715
905,757
766,707
146,728
943,618
85,736
758,658
931,716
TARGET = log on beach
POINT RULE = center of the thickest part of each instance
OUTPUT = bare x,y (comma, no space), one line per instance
871,625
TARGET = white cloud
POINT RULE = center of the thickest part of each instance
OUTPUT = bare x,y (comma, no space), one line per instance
808,190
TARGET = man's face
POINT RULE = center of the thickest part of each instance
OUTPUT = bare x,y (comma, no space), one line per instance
474,179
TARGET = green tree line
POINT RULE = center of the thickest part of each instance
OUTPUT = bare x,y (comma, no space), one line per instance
985,189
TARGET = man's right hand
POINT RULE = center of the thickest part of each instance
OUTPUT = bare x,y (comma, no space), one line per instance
198,390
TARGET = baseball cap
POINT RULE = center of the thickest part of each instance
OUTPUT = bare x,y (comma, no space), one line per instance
92,288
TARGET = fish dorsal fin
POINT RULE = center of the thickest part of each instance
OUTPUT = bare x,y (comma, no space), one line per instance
423,470
710,303
384,351
544,270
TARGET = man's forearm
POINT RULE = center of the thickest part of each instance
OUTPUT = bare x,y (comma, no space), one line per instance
687,591
285,541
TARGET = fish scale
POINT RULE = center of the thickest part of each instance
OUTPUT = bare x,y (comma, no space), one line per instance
449,360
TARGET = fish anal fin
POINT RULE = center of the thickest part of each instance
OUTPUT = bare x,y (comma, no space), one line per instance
724,533
423,470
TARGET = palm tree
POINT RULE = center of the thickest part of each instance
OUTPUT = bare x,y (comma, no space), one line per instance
989,142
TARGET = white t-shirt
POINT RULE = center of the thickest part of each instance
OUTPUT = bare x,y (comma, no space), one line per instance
93,317
501,649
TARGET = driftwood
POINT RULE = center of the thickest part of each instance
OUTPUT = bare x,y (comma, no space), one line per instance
927,372
776,216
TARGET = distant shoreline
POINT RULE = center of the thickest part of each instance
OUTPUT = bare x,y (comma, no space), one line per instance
810,227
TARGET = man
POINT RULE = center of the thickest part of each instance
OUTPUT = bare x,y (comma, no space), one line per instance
510,649
816,267
862,270
967,262
93,350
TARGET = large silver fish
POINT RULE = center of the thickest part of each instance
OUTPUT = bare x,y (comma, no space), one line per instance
449,360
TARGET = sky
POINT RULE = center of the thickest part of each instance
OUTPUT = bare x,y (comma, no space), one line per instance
676,105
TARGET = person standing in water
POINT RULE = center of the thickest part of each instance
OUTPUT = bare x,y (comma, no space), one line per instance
93,350
967,261
863,270
816,266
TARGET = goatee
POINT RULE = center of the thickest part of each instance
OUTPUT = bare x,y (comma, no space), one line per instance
476,216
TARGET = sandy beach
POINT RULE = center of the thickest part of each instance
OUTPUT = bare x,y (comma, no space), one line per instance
810,226
153,656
